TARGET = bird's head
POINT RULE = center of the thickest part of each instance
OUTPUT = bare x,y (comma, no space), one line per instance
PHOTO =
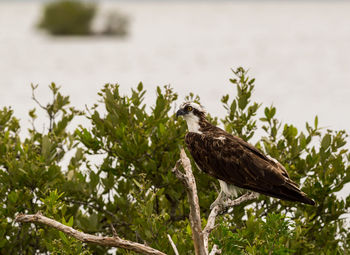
193,114
189,109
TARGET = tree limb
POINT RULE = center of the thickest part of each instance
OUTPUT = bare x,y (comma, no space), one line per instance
191,188
114,241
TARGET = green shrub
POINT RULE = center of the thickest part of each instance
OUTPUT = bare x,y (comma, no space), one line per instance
68,17
132,185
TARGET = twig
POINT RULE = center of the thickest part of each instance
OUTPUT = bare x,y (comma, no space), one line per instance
173,245
177,172
215,250
114,241
35,99
52,116
115,234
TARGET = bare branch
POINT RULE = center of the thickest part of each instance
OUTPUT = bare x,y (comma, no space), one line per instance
220,208
178,173
114,241
215,250
51,115
115,234
195,218
35,99
241,199
173,245
210,225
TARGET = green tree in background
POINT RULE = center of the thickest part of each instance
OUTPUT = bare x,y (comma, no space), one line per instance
68,17
118,171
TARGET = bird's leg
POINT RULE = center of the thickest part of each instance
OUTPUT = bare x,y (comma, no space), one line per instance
220,200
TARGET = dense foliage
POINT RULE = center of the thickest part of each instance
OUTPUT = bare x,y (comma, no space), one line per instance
118,171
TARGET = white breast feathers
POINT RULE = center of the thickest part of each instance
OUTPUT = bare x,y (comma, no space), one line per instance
192,123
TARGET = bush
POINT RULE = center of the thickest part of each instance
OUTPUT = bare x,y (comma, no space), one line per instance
68,17
133,187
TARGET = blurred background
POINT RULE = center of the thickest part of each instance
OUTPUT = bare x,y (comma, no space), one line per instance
297,50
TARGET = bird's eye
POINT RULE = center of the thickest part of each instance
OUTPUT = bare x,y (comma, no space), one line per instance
189,108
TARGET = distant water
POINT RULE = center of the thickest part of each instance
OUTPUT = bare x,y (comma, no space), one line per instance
298,51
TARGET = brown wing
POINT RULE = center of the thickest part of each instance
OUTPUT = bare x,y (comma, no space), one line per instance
236,162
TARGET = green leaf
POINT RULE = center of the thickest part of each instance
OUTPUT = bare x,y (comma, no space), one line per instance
233,106
161,128
302,140
140,87
63,237
224,99
70,222
13,196
326,141
188,229
267,113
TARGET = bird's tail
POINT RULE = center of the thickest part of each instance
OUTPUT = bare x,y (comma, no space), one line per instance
292,192
288,191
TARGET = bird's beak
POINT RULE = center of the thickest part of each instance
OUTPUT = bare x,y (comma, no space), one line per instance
180,112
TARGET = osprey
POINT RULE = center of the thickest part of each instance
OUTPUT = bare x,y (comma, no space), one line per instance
235,163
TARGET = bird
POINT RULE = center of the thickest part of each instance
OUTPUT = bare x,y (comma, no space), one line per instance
238,165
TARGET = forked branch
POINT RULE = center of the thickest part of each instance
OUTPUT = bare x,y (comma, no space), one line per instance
218,209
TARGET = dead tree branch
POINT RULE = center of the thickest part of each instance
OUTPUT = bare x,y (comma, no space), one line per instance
114,241
173,245
195,219
215,250
201,238
219,209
